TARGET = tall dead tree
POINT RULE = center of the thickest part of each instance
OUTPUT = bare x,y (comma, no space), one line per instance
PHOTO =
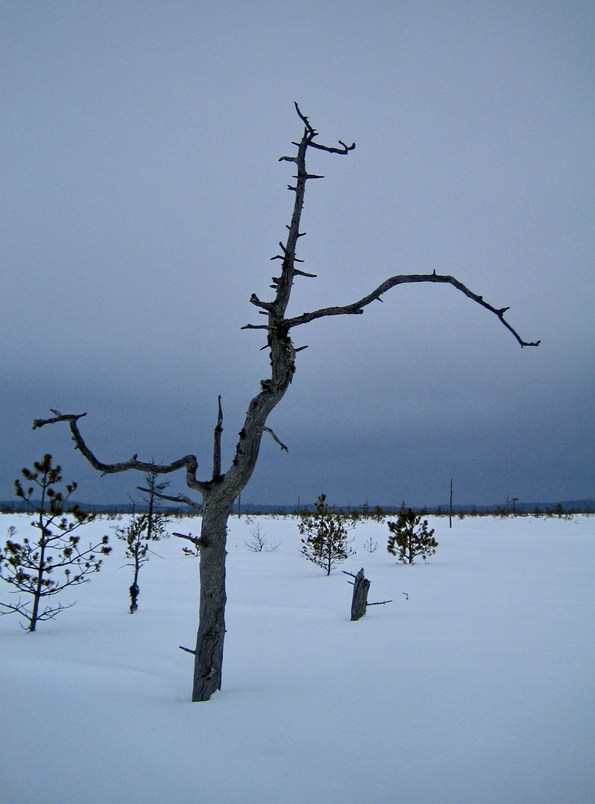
222,488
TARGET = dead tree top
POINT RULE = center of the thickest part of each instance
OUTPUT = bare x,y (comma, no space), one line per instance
281,349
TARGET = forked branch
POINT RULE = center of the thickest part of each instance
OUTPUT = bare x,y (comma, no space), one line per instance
311,132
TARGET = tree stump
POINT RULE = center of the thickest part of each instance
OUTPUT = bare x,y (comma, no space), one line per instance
359,601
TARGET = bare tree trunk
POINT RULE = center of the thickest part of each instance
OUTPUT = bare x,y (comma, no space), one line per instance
208,657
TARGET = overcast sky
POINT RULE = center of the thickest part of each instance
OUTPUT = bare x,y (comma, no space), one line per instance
143,199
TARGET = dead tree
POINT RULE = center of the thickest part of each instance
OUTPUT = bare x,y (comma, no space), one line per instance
359,599
221,489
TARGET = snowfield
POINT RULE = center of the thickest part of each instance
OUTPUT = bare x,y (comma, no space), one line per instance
474,686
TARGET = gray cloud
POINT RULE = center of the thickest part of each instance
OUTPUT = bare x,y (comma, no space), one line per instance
144,200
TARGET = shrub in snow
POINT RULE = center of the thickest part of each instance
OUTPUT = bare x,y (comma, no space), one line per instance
325,540
258,542
410,537
370,545
54,559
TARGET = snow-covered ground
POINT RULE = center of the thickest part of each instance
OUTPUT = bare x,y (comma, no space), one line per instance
474,687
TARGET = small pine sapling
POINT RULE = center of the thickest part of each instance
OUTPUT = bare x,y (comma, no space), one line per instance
156,519
325,531
55,559
141,531
137,547
410,537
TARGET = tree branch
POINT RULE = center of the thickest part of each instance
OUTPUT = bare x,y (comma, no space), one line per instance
188,462
344,149
311,133
194,539
256,326
357,308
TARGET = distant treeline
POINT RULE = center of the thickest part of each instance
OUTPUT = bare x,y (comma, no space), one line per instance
365,511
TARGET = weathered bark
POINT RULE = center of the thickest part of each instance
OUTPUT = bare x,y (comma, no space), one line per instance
208,656
359,601
222,489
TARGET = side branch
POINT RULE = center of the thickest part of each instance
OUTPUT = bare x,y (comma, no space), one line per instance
276,439
188,462
357,308
195,540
